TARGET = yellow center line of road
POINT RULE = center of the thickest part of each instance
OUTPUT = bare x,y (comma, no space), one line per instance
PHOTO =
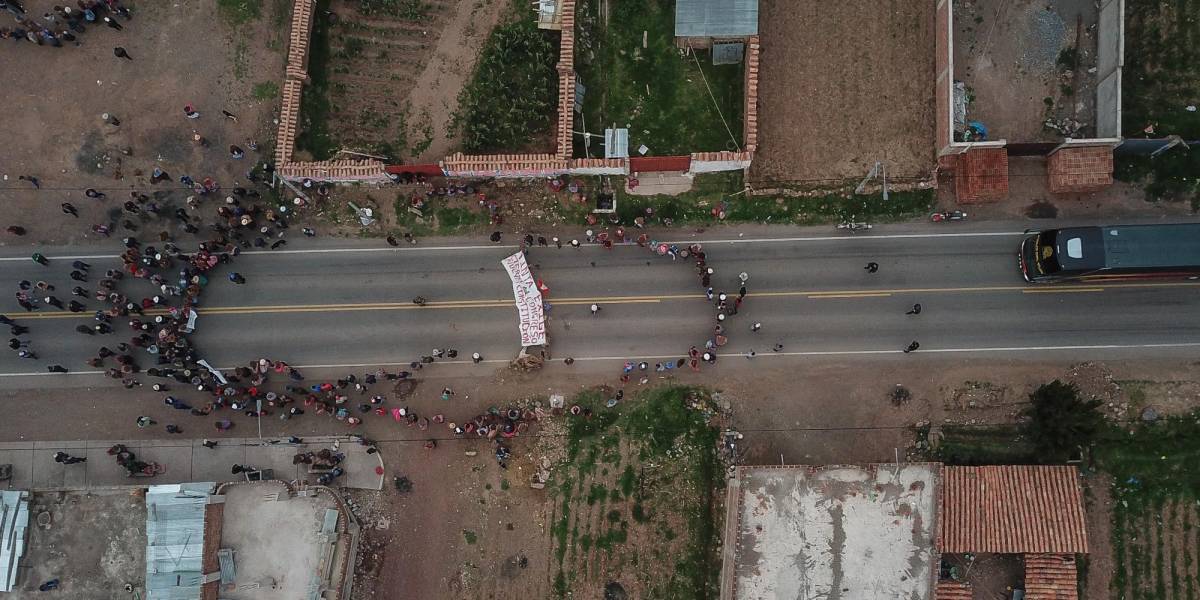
655,299
859,295
1072,290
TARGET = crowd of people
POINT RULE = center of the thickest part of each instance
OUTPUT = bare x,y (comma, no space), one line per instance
64,24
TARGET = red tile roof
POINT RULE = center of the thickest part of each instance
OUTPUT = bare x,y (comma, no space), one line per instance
1084,169
1051,577
952,590
1011,510
981,174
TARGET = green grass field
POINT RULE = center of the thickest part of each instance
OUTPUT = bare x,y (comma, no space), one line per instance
656,91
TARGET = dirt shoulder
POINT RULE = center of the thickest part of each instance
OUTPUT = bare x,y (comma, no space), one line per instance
65,142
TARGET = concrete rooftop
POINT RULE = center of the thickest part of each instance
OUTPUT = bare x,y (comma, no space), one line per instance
835,533
278,544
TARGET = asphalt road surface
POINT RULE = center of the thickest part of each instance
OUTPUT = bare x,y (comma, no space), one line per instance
339,303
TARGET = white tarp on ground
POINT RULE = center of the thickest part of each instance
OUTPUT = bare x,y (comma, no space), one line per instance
529,300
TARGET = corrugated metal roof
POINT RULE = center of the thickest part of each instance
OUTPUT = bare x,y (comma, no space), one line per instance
716,18
14,527
1051,577
1011,510
175,540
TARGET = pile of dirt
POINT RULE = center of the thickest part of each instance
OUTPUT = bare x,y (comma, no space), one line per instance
1153,399
977,395
1095,382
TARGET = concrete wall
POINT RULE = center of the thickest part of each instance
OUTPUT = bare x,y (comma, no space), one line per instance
1110,58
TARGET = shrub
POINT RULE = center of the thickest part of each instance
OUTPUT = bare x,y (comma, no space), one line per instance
1060,421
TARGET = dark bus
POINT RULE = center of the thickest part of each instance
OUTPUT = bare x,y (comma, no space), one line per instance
1114,252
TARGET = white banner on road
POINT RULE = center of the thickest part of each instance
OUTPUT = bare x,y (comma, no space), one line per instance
529,300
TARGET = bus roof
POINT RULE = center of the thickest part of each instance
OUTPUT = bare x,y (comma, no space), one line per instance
1166,245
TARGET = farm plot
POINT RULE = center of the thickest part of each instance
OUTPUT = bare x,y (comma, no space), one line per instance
635,498
386,75
1156,490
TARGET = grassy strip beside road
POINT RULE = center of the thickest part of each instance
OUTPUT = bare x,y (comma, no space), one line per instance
716,193
714,198
639,494
1161,75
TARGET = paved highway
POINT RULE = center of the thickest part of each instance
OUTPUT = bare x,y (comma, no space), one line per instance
339,302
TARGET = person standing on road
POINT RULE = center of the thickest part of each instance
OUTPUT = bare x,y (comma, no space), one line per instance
120,52
916,310
67,459
595,309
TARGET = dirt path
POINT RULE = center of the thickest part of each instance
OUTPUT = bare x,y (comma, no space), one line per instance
434,95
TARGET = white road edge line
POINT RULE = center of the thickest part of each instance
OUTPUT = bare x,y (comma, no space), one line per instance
720,355
897,236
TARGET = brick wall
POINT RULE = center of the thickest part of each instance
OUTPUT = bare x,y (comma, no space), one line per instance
295,76
1079,170
981,175
503,165
750,91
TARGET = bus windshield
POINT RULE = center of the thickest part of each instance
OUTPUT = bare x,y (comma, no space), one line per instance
1043,247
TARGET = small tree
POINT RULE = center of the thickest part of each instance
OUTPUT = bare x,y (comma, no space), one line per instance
1060,422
